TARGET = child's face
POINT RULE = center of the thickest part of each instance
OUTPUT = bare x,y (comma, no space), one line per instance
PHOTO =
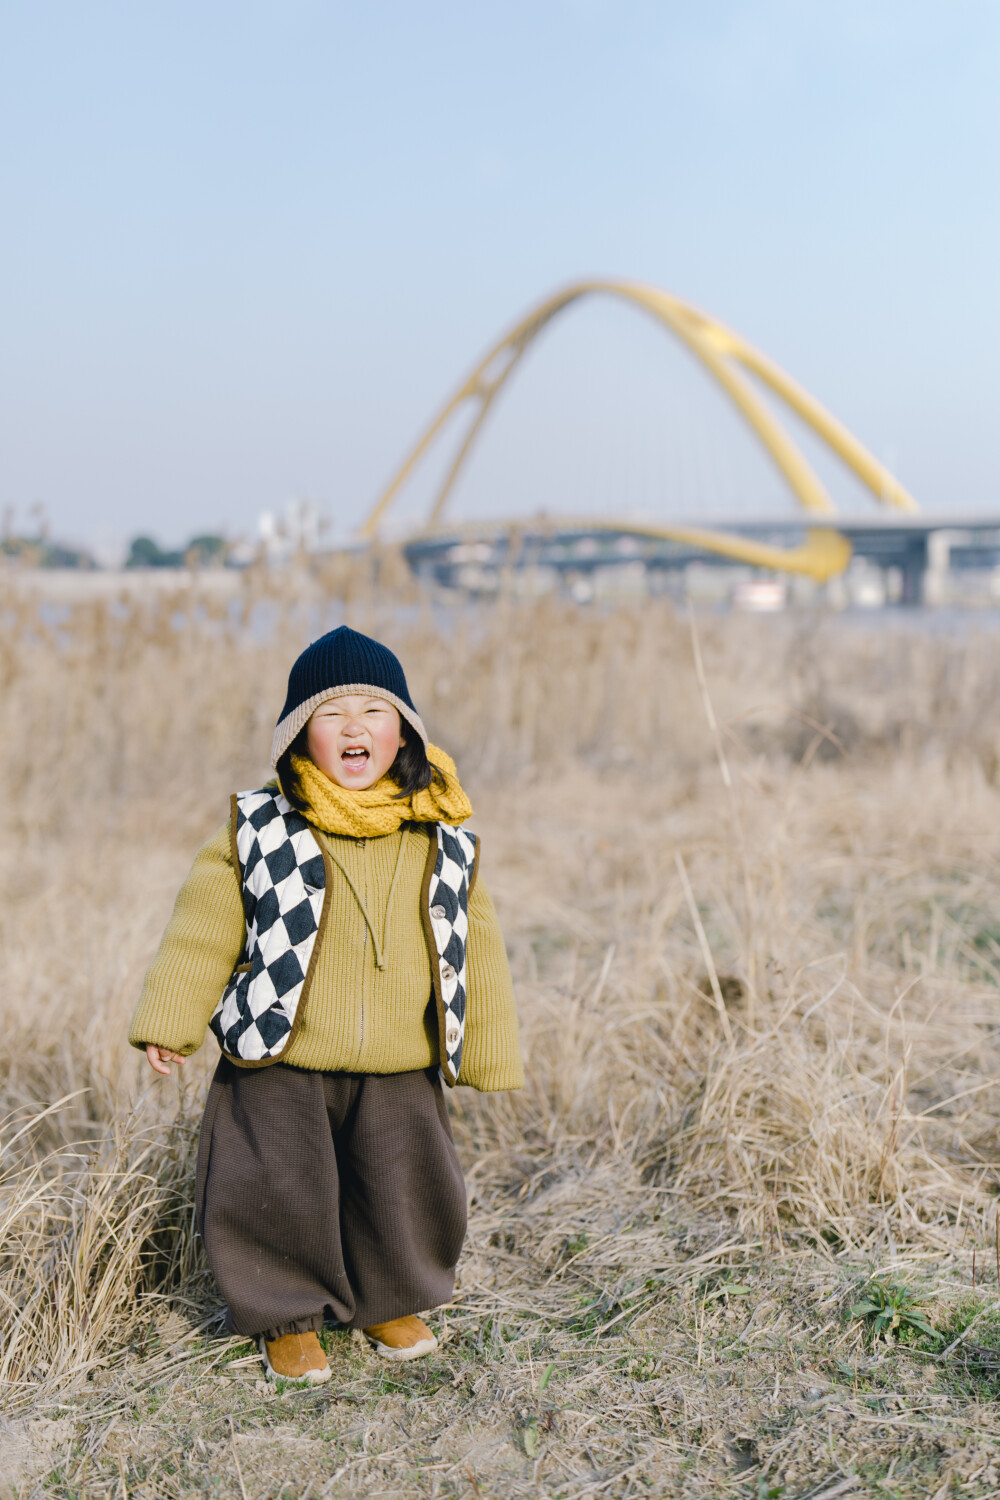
354,739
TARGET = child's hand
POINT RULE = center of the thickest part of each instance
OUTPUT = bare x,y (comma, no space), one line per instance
160,1058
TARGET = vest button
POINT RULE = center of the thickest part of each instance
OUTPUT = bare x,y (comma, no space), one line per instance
437,912
451,1035
447,971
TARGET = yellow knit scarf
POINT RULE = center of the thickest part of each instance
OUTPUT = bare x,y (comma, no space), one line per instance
379,809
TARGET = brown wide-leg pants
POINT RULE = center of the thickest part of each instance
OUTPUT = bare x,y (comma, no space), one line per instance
328,1194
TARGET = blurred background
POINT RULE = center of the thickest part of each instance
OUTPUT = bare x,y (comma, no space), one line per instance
252,248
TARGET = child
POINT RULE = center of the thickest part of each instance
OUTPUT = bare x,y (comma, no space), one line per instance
339,917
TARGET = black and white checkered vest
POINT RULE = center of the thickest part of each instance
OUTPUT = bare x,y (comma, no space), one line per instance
286,883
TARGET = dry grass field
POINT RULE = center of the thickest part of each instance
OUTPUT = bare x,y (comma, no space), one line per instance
753,911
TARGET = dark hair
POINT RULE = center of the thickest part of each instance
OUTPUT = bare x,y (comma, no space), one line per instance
411,770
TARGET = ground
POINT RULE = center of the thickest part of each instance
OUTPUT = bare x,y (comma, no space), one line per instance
722,1243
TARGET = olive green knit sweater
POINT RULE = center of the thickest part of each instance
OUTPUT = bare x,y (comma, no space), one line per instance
358,1017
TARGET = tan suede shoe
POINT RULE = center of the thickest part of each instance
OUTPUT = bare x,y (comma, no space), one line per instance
403,1338
296,1356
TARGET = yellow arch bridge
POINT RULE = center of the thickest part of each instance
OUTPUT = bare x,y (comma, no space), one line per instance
728,358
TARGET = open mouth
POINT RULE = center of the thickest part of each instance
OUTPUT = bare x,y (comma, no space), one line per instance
355,758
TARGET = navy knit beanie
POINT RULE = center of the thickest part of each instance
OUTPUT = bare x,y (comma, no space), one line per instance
341,662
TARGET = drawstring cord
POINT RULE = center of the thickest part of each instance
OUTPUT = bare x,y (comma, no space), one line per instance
378,947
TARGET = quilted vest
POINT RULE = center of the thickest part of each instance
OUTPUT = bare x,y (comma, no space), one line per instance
285,883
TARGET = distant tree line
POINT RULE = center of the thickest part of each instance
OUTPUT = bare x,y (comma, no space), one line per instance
42,552
199,552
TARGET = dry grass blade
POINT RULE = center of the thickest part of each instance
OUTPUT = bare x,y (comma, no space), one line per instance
236,1459
706,951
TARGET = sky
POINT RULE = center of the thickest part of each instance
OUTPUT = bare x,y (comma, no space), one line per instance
250,248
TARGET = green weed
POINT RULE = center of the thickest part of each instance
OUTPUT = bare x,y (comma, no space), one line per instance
721,1286
890,1309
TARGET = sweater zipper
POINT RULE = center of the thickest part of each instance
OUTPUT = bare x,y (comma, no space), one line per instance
363,844
368,932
